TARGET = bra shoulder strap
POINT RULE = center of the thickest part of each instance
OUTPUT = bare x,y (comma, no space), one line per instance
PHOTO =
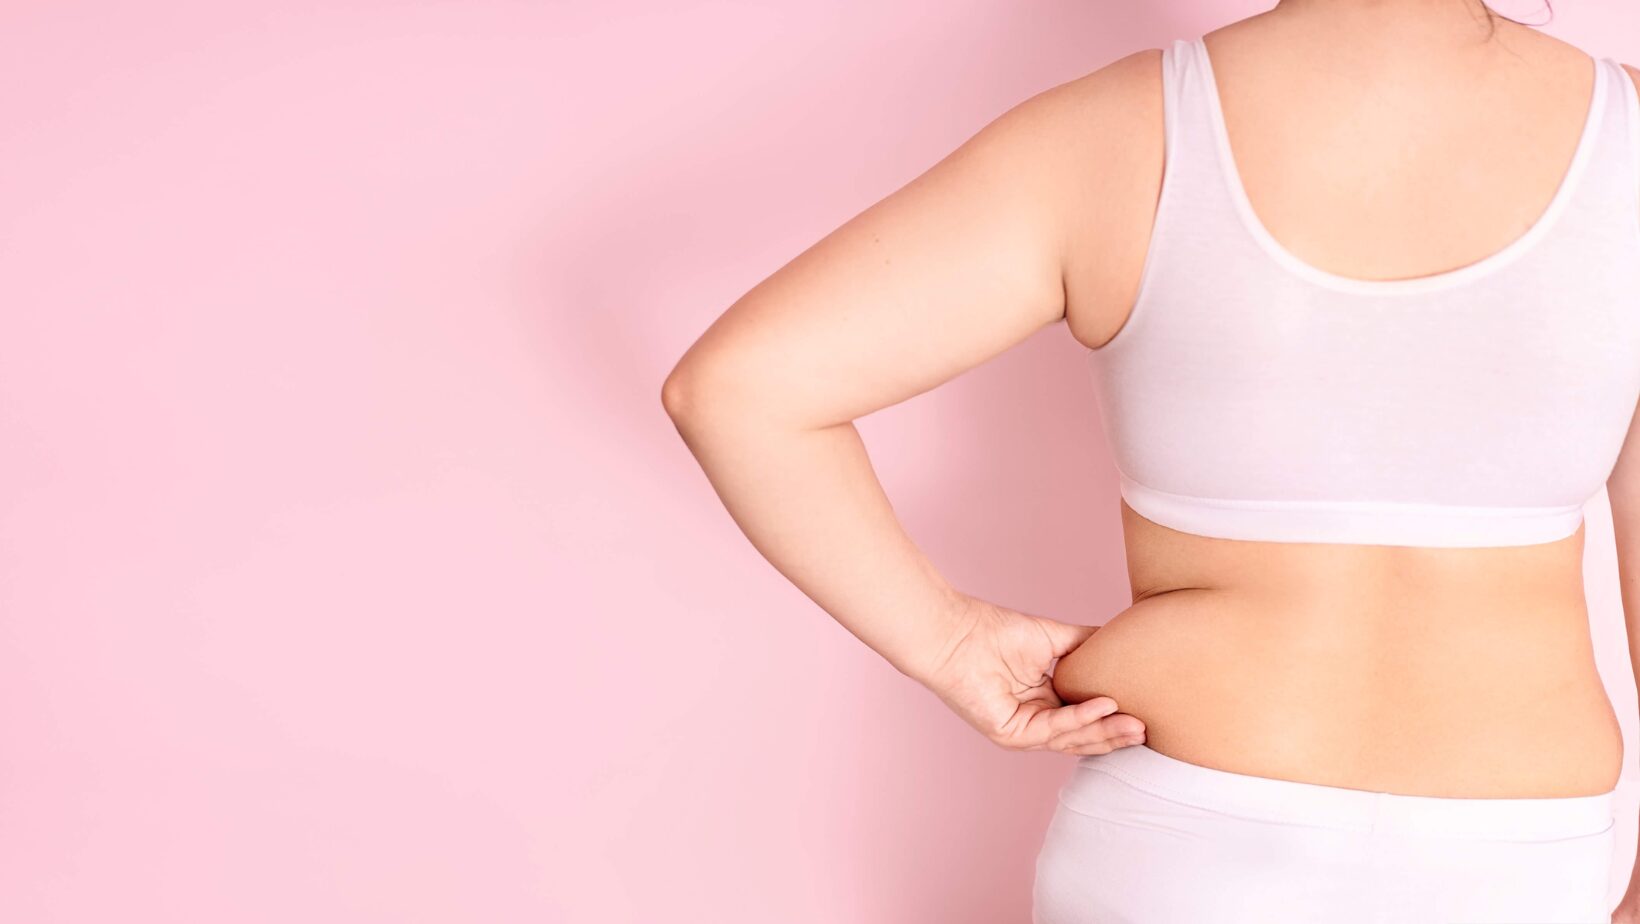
1192,166
1628,102
1608,184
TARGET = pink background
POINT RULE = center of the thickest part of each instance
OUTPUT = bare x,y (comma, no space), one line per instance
350,569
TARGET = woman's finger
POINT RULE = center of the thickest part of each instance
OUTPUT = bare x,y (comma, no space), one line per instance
1103,747
1112,731
1045,723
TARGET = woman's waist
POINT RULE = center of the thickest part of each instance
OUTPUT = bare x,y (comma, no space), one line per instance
1501,699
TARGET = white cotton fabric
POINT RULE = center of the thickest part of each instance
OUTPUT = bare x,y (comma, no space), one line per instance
1143,838
1252,395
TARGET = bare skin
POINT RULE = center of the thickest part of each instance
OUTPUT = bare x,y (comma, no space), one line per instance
1450,672
1447,672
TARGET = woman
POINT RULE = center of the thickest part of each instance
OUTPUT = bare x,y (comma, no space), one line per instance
1360,281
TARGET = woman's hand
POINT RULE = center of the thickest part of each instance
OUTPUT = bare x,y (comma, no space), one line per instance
995,673
1627,911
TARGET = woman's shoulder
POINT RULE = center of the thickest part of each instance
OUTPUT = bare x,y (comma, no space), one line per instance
1088,138
1094,131
1125,88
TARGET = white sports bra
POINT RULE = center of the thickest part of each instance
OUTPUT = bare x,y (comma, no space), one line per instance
1253,395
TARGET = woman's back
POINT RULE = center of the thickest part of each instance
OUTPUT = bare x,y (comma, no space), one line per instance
1433,656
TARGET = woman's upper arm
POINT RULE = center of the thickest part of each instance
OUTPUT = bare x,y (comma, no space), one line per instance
954,267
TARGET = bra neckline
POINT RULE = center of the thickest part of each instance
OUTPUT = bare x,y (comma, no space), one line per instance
1250,220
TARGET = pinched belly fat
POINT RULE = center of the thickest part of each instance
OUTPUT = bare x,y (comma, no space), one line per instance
1412,698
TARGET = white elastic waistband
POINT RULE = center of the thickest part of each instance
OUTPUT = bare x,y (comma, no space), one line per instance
1293,802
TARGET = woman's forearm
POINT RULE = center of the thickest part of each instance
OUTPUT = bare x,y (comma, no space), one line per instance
810,502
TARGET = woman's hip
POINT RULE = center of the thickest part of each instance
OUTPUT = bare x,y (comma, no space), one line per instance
1143,837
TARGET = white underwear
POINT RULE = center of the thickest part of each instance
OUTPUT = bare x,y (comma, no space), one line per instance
1143,838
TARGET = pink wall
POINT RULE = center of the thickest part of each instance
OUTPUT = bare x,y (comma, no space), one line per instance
349,567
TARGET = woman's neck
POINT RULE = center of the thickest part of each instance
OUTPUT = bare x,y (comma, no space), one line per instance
1396,27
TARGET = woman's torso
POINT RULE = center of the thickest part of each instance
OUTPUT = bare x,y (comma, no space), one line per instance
1436,671
1453,672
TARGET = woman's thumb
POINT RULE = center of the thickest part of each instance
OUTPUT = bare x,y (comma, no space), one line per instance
1064,636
